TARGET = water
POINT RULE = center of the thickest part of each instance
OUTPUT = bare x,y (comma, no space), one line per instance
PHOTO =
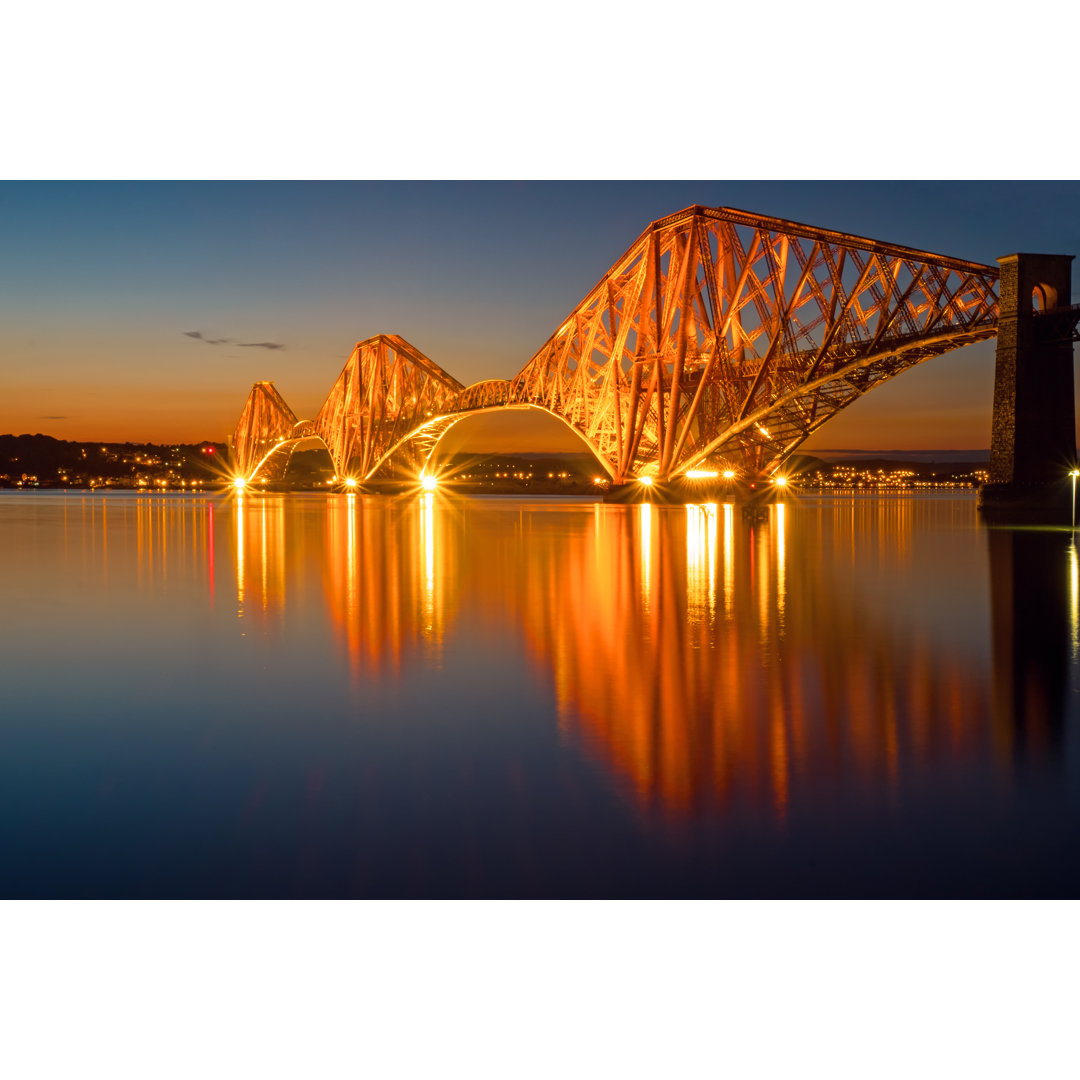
322,696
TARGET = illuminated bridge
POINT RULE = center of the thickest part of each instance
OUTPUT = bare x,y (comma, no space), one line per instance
716,344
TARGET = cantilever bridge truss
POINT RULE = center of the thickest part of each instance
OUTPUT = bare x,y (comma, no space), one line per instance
719,340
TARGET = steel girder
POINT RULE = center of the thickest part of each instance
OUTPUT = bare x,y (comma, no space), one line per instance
266,424
725,338
386,391
719,339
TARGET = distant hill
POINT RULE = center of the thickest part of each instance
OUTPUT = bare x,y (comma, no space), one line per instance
42,461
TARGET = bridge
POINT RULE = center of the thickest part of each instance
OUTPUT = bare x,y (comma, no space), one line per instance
716,344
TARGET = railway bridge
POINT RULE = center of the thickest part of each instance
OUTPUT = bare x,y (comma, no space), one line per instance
715,345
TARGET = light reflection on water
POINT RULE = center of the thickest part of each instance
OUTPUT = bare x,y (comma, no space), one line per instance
505,697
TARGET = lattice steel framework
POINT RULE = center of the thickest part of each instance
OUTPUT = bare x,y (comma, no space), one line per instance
386,391
265,424
726,338
720,339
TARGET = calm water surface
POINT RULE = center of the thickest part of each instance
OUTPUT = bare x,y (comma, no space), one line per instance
321,696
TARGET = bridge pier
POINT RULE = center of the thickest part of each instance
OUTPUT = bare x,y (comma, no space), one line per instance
1033,439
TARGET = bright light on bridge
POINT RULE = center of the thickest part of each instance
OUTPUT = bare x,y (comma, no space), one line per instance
239,483
780,481
729,474
646,480
350,481
428,483
700,474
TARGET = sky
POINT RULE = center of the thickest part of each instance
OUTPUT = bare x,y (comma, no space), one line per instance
144,311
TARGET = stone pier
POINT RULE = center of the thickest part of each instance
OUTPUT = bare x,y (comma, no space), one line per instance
1033,441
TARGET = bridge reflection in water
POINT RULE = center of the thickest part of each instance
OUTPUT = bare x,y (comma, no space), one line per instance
706,660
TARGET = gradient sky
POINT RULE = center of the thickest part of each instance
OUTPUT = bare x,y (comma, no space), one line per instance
102,284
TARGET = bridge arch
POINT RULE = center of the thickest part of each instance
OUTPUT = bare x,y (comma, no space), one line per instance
274,465
425,440
1044,297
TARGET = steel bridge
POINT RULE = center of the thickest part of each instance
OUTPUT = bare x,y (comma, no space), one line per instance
717,343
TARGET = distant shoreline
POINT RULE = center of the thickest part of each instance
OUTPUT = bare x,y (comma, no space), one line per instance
925,456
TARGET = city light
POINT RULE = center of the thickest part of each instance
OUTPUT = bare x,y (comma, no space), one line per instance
700,474
780,481
428,483
240,483
729,474
350,482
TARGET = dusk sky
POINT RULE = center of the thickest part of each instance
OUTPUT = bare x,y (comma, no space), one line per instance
145,311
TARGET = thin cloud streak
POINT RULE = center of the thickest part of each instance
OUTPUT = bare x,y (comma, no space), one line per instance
198,336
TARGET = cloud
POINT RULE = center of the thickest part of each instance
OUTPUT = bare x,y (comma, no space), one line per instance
198,336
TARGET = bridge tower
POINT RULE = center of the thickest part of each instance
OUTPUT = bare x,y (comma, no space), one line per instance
1033,439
